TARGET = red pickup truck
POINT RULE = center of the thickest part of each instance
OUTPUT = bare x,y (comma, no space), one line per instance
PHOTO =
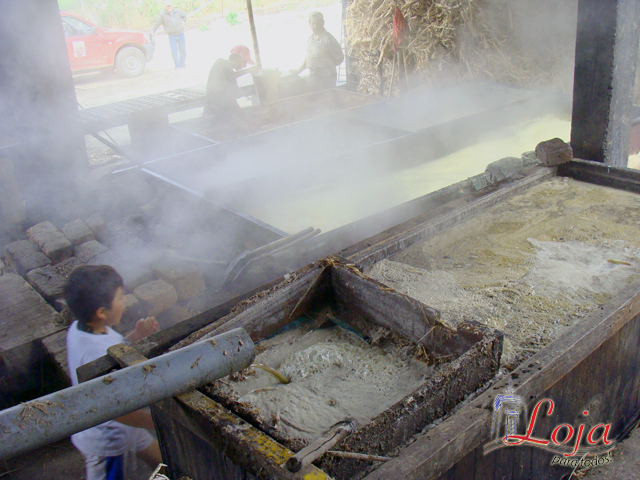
90,47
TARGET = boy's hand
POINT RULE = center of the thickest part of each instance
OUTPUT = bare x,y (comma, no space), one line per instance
144,327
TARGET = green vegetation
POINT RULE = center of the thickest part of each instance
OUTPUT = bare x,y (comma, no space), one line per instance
140,14
232,18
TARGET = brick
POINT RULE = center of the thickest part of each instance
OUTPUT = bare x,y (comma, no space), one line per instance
97,225
186,279
89,250
52,243
24,256
47,282
175,314
156,297
78,232
554,152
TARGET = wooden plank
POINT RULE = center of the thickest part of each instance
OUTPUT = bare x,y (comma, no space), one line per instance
606,175
443,446
272,310
398,312
604,79
24,314
243,444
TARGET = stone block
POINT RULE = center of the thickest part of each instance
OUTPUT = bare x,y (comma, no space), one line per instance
156,297
175,314
186,279
529,159
78,232
24,256
97,225
89,250
52,242
554,152
47,282
504,168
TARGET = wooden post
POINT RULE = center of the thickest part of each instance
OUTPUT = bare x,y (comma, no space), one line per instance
604,79
253,33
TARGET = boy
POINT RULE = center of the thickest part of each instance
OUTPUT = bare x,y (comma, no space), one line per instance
94,295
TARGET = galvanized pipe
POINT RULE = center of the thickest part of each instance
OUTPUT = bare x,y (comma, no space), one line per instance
56,416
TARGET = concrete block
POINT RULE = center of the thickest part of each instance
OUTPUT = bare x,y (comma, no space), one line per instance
52,243
156,297
78,232
175,314
89,250
47,282
554,152
186,279
97,225
24,256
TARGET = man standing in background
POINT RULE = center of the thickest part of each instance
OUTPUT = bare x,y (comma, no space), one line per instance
324,54
172,22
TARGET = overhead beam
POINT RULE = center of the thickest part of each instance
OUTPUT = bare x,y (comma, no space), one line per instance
604,80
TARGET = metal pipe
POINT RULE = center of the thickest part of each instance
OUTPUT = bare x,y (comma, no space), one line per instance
51,418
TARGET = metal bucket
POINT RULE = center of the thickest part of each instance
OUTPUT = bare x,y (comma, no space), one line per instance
266,82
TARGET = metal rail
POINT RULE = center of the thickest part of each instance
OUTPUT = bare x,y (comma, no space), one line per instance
60,414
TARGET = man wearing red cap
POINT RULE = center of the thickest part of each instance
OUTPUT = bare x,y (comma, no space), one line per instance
222,88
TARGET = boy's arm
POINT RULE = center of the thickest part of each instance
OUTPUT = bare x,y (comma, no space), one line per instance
138,419
144,327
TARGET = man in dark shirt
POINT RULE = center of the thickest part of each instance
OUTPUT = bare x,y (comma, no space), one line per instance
172,21
222,88
324,54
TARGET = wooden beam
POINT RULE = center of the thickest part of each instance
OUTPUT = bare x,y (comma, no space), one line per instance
254,36
604,80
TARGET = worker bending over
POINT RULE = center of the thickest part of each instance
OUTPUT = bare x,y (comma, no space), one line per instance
94,295
324,54
222,87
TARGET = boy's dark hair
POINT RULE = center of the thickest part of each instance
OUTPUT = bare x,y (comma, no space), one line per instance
89,288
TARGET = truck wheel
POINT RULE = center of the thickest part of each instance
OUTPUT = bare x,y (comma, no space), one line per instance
130,62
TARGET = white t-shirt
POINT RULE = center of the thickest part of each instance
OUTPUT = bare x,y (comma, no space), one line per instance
111,438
